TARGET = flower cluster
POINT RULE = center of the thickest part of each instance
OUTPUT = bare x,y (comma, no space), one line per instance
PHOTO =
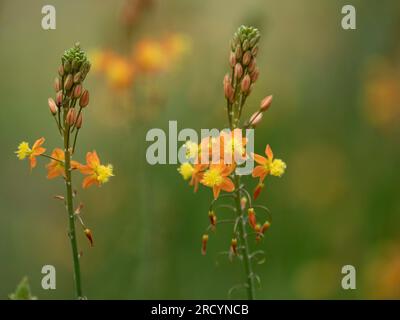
215,160
148,56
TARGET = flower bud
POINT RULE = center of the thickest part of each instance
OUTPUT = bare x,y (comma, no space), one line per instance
257,229
265,227
71,117
67,66
61,70
77,77
228,90
245,85
238,71
245,45
265,103
89,235
252,217
75,65
59,98
78,123
254,75
204,241
246,58
243,202
256,118
57,84
84,100
77,91
252,65
52,106
232,59
234,246
238,52
254,50
257,190
69,81
213,218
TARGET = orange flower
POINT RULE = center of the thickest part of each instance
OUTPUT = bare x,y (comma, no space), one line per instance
97,173
216,177
56,166
25,151
197,175
269,165
232,146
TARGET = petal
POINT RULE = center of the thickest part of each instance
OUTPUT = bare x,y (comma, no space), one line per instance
259,171
54,173
38,151
86,169
259,159
227,185
268,152
33,162
75,164
58,154
216,191
88,181
38,143
92,159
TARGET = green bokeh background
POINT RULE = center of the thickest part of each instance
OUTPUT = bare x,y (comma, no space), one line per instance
337,204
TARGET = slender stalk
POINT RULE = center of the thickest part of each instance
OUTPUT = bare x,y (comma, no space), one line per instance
71,216
244,243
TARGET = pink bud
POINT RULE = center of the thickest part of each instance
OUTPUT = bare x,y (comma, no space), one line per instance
52,106
238,71
84,100
71,117
57,84
61,71
265,103
254,75
246,58
252,65
59,98
232,59
256,118
77,91
245,85
79,121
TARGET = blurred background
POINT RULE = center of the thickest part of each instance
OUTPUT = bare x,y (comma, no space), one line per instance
334,120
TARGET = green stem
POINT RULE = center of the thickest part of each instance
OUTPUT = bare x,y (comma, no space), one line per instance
244,243
71,216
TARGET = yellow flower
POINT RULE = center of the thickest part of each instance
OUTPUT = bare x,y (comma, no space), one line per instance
23,150
217,178
186,170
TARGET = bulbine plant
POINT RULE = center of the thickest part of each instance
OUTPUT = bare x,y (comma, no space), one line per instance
214,162
67,108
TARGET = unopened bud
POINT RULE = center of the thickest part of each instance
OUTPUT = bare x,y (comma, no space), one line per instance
252,65
61,70
265,227
254,50
238,71
246,58
245,45
89,235
232,59
77,91
257,229
69,81
77,77
57,84
265,103
238,52
256,118
52,106
254,75
71,116
75,65
84,100
234,246
243,202
79,120
257,190
245,85
204,241
228,90
67,66
59,98
252,217
212,217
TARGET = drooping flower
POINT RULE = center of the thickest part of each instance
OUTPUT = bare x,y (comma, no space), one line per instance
24,151
217,178
56,166
97,173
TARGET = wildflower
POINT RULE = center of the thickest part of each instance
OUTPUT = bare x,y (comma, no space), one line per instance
204,241
252,217
232,146
197,175
233,248
216,177
25,151
89,235
56,166
269,165
186,170
97,173
213,218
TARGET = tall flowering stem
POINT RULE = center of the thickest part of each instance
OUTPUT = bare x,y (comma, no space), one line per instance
225,155
67,110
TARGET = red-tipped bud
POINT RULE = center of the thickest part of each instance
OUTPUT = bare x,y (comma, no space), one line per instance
213,218
84,100
265,103
246,58
252,217
77,91
69,81
245,85
79,120
257,229
59,98
71,117
89,235
232,59
61,70
238,71
254,75
243,202
57,84
52,106
265,227
234,246
257,190
204,241
228,90
256,118
252,65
